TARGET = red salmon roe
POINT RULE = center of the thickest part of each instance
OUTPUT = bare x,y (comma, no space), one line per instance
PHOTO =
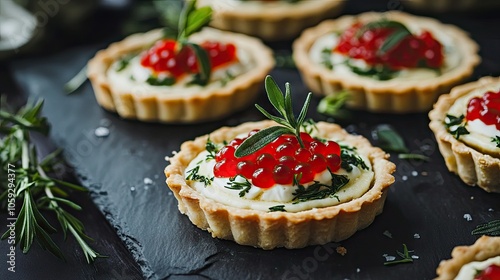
279,161
485,108
492,272
167,57
411,52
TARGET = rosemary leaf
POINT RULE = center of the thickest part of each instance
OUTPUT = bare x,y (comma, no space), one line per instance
260,139
389,140
491,228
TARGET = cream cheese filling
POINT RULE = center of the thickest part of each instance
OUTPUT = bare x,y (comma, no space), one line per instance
262,199
469,271
132,79
330,41
481,135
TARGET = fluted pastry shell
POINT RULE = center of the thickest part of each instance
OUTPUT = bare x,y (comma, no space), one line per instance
389,96
269,230
484,248
204,105
472,166
271,22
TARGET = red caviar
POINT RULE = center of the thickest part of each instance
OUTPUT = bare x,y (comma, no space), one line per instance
492,272
485,108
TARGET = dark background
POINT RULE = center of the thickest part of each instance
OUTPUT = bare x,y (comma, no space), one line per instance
137,224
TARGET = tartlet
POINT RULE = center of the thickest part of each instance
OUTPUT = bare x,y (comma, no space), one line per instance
467,143
267,229
485,248
178,104
385,75
271,20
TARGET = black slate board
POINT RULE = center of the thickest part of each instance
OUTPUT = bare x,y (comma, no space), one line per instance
165,244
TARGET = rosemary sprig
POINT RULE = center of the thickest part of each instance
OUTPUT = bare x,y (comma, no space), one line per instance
333,105
277,208
491,228
456,125
349,159
34,189
405,257
289,123
194,175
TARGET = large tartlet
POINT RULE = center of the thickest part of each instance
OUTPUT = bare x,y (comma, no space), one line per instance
179,105
270,20
269,230
484,248
475,163
396,95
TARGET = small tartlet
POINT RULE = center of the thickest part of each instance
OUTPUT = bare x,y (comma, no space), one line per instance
205,104
484,248
268,230
474,167
270,21
391,96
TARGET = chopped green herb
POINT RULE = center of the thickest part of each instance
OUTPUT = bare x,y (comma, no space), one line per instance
414,156
389,140
491,228
333,104
124,62
154,81
379,72
405,257
456,125
277,208
211,148
326,55
318,190
496,140
350,159
242,186
194,175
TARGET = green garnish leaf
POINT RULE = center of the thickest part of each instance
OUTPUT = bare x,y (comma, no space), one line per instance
496,140
123,63
491,228
414,156
405,257
456,125
197,19
318,190
379,72
333,104
326,55
277,208
154,81
204,64
393,40
194,175
291,125
349,159
389,139
383,23
261,139
77,81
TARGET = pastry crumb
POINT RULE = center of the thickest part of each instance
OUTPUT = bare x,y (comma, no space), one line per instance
341,250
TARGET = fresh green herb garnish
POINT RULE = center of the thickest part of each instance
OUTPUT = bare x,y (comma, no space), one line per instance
318,190
414,156
456,125
76,82
491,228
242,186
227,78
284,59
389,139
309,126
35,190
379,72
496,140
277,208
348,159
154,81
400,32
289,124
326,55
333,104
211,148
124,62
405,257
194,175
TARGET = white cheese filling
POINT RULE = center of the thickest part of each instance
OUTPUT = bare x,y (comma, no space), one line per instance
469,271
481,134
330,41
132,79
262,199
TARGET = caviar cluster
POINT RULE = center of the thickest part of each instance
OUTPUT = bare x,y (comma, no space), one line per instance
280,161
412,51
167,57
485,108
490,273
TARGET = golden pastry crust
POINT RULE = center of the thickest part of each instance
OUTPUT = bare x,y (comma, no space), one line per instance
473,166
203,105
269,230
391,96
271,21
484,248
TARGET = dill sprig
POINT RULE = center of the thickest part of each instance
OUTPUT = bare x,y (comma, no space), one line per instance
34,189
